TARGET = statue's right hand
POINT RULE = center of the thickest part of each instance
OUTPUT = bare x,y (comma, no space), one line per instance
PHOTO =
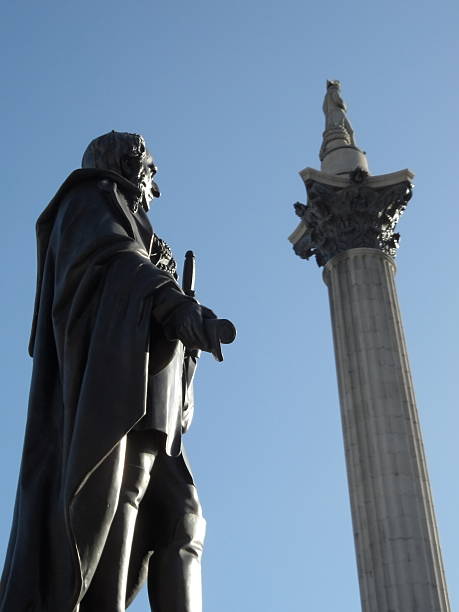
187,324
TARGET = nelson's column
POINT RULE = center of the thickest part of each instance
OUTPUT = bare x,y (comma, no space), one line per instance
348,224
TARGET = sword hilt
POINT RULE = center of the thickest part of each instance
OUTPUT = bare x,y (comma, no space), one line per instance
218,330
189,274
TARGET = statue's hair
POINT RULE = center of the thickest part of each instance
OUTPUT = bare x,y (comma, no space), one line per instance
107,151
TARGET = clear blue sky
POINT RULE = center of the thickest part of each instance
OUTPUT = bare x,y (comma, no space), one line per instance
229,95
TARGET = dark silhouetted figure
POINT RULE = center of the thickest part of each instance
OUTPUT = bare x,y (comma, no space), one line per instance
105,496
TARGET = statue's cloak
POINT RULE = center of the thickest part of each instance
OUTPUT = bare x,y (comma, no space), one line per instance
92,341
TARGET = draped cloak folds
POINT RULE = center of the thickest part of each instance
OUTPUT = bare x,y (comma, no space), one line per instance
93,341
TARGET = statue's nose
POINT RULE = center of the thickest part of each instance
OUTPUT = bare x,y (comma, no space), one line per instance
155,189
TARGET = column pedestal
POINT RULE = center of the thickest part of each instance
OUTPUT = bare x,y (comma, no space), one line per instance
398,553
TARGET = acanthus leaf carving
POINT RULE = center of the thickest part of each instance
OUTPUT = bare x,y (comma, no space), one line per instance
338,219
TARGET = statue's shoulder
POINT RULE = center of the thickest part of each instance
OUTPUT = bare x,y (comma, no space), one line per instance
86,181
75,182
89,185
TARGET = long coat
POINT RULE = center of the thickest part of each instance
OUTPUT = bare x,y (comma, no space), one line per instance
92,343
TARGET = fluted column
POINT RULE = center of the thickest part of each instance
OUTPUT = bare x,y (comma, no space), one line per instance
348,224
398,554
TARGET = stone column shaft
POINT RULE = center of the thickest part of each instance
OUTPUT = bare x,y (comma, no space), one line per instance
398,552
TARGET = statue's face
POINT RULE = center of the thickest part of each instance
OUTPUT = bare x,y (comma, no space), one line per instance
145,180
336,84
141,171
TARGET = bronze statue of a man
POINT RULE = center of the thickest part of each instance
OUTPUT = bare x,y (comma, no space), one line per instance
105,495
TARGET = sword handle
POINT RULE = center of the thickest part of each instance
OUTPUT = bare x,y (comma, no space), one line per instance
188,281
189,274
218,330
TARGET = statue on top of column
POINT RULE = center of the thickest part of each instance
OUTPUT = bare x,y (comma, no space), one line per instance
337,125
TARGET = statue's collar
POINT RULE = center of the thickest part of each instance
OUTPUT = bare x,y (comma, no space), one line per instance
81,175
87,174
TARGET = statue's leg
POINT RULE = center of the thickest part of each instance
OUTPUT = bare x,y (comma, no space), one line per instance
107,591
174,573
349,130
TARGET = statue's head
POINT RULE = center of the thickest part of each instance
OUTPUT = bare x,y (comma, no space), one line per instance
127,155
336,84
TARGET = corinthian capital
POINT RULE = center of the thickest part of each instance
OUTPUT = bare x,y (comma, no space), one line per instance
348,213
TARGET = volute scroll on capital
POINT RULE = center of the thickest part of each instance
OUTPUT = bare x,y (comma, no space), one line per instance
358,215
